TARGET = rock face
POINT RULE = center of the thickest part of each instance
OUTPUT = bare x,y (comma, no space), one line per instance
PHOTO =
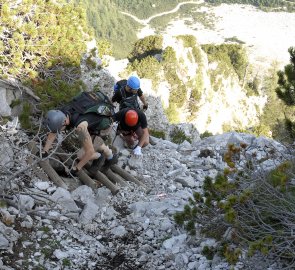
11,91
5,110
91,229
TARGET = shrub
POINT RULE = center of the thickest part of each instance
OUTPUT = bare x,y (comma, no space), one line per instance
42,47
188,40
157,133
148,68
178,136
24,117
24,49
169,56
147,46
246,210
230,55
172,114
205,134
56,93
198,55
208,252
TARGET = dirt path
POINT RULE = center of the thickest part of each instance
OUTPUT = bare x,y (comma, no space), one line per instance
147,21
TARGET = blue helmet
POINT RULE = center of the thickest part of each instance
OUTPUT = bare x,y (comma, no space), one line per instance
133,82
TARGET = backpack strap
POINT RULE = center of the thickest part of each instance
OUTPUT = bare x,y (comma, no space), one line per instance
123,92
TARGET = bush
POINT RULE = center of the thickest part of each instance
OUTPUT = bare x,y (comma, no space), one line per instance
147,46
43,45
24,49
55,94
205,134
24,117
188,40
231,55
172,114
169,56
157,133
178,136
148,68
246,210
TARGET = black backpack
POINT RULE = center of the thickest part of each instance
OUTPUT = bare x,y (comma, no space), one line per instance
129,102
126,102
92,102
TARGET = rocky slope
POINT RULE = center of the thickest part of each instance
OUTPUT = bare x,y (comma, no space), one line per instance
45,227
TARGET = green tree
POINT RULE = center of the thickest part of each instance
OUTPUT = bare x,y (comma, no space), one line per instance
286,88
286,81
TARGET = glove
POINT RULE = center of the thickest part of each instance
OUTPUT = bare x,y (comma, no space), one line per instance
137,151
44,154
145,107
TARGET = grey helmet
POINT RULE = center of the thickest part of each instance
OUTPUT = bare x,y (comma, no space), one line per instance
54,120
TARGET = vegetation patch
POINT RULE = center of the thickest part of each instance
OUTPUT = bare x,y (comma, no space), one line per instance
188,40
157,133
205,134
269,5
245,210
147,46
229,55
24,117
178,136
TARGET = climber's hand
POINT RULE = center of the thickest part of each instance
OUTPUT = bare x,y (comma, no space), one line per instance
137,151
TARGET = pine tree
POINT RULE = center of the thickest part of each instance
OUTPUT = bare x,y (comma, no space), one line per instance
286,81
37,35
286,89
41,44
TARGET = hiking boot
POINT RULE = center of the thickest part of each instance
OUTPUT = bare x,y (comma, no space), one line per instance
109,162
96,165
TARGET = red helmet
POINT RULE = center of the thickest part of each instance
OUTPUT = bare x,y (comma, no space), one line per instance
131,118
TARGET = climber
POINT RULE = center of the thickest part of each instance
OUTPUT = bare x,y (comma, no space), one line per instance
132,127
88,125
126,93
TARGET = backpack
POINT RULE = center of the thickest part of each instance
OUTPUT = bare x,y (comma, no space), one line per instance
119,85
93,102
126,102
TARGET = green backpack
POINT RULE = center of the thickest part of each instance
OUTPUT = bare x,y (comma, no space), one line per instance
93,102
